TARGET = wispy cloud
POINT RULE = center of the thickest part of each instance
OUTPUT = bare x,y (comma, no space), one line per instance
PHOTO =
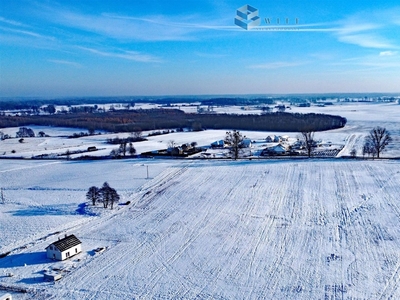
367,29
366,40
385,60
128,55
12,22
65,62
277,65
144,28
210,55
388,53
157,27
26,33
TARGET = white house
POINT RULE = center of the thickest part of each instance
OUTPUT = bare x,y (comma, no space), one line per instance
273,139
246,143
274,150
64,248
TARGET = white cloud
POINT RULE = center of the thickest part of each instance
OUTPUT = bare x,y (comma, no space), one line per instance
12,22
65,62
388,53
26,33
128,55
367,34
146,28
366,40
209,55
277,65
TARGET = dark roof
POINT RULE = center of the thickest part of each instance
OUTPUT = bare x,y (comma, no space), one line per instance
67,243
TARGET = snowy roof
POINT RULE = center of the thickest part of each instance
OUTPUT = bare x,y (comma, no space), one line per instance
67,243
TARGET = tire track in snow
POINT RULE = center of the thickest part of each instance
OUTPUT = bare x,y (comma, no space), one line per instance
196,230
393,282
30,167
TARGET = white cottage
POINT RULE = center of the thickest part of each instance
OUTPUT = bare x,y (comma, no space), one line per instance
64,248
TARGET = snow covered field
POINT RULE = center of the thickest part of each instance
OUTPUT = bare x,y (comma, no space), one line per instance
306,229
361,119
208,229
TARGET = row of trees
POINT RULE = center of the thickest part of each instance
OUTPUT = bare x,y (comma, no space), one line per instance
106,195
374,144
155,119
123,149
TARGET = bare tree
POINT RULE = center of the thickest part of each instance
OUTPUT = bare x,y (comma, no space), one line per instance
132,150
114,197
171,144
235,141
309,143
91,130
368,149
93,194
68,154
108,195
137,133
378,138
105,194
114,153
123,148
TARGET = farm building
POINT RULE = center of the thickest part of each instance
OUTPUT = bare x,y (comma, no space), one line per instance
64,248
273,139
218,144
246,143
274,150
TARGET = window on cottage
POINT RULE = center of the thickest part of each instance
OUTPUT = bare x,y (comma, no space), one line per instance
76,250
67,254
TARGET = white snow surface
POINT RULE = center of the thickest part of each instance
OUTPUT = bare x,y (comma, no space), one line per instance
361,118
206,229
270,229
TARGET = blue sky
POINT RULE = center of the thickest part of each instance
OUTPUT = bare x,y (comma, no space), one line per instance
193,47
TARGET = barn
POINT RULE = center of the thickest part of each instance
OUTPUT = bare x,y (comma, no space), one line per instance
64,248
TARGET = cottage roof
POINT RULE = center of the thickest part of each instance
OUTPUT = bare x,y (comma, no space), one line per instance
67,243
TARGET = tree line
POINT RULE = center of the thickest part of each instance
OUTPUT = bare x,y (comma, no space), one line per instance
156,119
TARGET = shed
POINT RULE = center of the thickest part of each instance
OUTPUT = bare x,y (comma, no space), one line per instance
64,248
52,276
